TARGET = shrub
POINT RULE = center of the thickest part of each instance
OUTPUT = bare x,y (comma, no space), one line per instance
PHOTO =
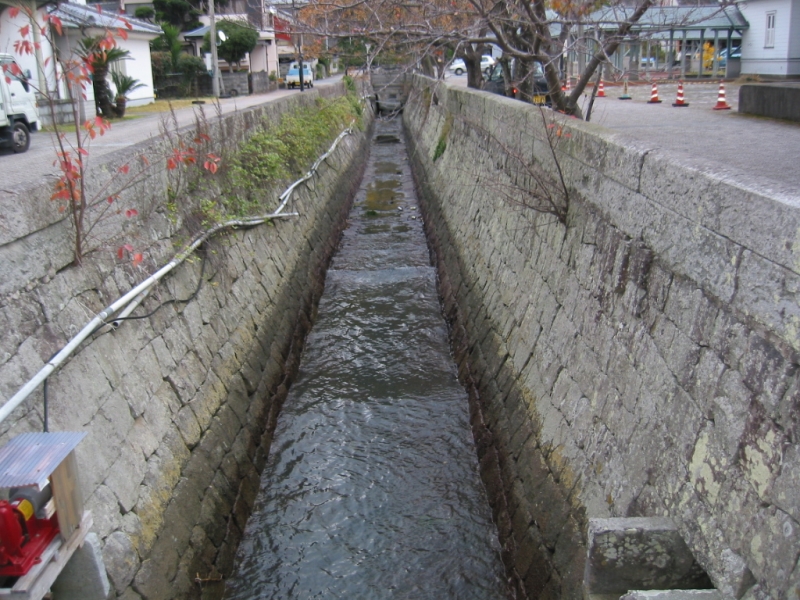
161,63
191,67
144,12
241,39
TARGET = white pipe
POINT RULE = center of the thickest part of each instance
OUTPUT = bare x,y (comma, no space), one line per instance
137,294
130,308
287,193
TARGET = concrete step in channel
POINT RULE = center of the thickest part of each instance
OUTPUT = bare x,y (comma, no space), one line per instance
642,558
661,595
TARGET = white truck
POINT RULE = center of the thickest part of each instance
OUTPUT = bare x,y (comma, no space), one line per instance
19,115
293,76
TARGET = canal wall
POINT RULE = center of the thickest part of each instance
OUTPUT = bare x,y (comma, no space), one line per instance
628,326
179,406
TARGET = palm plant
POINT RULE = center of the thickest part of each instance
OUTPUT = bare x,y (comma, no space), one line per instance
125,84
96,54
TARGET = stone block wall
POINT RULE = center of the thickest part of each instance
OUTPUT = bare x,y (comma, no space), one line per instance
179,406
261,84
638,359
235,83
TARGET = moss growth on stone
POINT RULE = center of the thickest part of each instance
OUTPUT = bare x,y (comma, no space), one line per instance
441,145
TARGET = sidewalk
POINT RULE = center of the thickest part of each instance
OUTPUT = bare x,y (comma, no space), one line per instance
22,170
754,152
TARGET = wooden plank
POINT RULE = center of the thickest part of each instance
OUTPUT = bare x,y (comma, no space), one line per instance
67,494
27,580
35,586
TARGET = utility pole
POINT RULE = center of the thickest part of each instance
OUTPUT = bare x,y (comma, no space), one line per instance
212,39
302,87
298,47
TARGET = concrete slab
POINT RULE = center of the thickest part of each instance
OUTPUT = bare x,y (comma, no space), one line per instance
639,553
673,595
84,576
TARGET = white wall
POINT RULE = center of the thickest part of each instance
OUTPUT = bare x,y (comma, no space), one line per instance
272,59
264,58
258,58
794,40
784,58
10,33
138,67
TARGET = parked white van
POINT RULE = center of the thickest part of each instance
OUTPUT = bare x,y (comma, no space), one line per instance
19,115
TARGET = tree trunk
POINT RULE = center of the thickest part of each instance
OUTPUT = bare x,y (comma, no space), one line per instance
474,74
102,93
121,103
428,66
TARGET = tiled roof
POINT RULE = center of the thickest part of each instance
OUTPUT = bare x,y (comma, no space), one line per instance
78,15
664,18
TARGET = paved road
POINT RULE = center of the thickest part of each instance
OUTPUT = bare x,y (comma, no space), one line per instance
755,152
22,170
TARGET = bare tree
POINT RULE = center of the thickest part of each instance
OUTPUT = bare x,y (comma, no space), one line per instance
534,35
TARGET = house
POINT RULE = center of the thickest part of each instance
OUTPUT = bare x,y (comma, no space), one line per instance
264,57
771,46
78,21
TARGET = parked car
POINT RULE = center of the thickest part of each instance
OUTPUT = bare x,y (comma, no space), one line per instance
459,68
496,84
19,115
293,77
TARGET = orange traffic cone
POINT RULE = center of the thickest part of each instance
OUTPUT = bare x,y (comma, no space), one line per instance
721,104
679,100
601,92
654,95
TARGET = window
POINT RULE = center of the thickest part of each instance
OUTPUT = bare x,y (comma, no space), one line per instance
770,41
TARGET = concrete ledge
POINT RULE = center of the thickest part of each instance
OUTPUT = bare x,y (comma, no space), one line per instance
673,595
639,553
776,100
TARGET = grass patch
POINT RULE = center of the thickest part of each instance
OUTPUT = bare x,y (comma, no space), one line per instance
161,106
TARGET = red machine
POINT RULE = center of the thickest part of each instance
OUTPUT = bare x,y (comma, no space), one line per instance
27,526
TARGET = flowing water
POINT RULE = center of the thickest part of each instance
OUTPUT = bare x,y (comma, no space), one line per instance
372,489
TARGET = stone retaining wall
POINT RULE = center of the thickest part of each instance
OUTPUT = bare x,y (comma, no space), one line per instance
638,359
179,407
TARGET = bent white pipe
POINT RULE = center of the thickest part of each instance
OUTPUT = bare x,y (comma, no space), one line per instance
129,301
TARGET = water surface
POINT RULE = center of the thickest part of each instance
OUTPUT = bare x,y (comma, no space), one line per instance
372,489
